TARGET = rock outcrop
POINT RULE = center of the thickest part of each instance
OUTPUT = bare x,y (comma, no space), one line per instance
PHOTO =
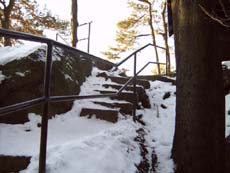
24,80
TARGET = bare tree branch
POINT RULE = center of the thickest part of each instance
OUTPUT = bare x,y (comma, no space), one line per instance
3,2
146,1
142,35
217,19
139,18
223,8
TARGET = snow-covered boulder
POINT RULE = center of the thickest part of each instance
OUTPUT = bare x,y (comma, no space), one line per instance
22,77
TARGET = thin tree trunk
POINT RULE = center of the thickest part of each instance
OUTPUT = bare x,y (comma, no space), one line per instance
74,22
5,21
152,32
199,140
165,36
6,25
153,36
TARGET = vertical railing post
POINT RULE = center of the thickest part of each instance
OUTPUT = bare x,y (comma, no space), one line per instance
44,126
134,87
89,33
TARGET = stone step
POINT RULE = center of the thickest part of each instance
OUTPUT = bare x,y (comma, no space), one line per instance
128,88
107,115
128,96
123,80
157,77
13,164
124,96
144,99
124,108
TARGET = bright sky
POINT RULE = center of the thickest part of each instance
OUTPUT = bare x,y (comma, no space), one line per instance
103,13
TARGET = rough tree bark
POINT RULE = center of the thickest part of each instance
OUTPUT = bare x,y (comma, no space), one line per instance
199,139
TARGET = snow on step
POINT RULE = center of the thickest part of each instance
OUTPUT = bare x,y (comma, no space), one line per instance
124,108
107,115
123,80
127,96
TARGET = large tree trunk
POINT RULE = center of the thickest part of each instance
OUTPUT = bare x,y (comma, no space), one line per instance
74,22
200,116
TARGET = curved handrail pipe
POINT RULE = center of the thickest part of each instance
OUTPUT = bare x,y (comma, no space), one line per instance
138,50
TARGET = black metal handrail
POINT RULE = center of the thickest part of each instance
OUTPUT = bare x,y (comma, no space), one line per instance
138,50
46,98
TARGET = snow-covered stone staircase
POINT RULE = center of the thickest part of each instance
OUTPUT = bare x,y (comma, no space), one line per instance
112,114
109,109
88,117
106,109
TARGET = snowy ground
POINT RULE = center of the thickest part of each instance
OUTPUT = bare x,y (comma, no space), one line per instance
78,144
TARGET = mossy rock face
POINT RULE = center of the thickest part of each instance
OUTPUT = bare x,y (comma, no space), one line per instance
24,80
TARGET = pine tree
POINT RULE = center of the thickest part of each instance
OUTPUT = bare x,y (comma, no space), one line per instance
130,30
26,16
128,34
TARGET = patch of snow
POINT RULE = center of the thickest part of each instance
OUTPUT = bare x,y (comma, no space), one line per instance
226,63
58,53
79,104
23,139
107,100
2,77
20,74
112,150
20,139
68,77
160,124
9,54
